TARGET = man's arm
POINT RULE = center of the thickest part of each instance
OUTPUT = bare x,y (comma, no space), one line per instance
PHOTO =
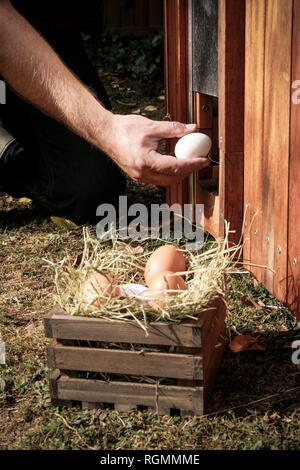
32,68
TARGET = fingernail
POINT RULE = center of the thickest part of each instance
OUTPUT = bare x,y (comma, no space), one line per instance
190,127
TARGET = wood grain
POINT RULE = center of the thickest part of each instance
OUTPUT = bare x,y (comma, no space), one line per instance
126,393
176,80
58,324
231,113
276,143
254,131
150,364
294,175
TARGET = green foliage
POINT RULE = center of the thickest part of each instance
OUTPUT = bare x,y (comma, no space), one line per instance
128,56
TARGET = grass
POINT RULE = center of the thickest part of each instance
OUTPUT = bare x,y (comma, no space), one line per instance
256,400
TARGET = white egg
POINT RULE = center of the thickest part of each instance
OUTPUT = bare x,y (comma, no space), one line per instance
193,145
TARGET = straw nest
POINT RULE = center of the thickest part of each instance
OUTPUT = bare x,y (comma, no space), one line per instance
125,262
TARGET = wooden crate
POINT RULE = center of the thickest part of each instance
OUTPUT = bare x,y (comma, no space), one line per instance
198,348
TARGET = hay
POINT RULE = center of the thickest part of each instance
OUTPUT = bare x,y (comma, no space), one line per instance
125,264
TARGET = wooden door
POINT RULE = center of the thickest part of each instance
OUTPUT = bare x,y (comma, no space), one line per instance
191,93
269,193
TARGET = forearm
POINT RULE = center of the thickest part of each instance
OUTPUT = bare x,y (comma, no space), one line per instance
31,67
35,72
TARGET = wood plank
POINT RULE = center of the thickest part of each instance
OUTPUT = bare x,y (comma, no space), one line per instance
231,111
231,74
183,398
231,193
124,407
141,16
113,14
294,174
63,326
211,210
176,79
55,401
254,131
277,93
213,368
212,328
151,364
127,16
155,13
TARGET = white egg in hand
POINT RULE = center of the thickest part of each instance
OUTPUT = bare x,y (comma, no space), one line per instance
193,145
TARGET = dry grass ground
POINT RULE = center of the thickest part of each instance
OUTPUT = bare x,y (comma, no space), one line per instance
256,400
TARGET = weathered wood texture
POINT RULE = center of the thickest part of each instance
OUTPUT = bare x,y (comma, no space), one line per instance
130,394
199,347
272,144
113,361
176,81
205,46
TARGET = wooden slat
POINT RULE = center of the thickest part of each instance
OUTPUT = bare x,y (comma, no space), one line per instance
294,174
125,362
176,79
212,328
155,13
113,13
183,398
127,16
231,112
213,367
63,326
211,210
254,130
141,16
276,142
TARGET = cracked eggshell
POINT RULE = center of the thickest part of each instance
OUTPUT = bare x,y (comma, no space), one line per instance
99,285
193,145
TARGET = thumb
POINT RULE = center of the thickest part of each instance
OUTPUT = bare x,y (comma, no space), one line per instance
173,129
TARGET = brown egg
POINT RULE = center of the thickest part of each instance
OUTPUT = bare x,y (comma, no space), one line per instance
165,258
98,284
165,281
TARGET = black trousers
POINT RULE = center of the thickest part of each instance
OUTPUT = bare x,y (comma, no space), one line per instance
50,164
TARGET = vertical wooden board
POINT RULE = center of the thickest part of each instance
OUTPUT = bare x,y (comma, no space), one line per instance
141,13
254,135
170,67
155,13
276,143
231,46
113,14
294,173
127,15
231,110
176,78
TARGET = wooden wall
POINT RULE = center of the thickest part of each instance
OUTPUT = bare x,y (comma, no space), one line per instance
272,145
139,15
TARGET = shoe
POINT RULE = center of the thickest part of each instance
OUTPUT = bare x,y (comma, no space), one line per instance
5,139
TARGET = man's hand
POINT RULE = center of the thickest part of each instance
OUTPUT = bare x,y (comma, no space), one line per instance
32,68
133,142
